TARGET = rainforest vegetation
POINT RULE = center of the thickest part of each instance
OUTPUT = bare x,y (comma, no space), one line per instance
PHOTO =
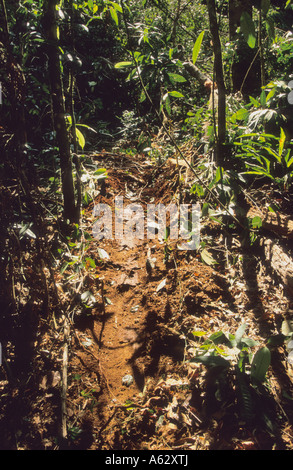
130,344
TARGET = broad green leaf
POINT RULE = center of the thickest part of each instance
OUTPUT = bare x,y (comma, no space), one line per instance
270,27
100,174
219,174
168,104
239,333
211,361
256,222
199,333
288,160
263,98
271,94
219,338
87,127
260,364
176,94
121,65
254,101
276,340
116,6
282,141
175,77
196,47
205,209
80,138
114,15
240,114
248,29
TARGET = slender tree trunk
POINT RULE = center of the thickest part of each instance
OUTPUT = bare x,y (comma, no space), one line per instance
219,75
236,8
261,48
58,104
73,120
16,84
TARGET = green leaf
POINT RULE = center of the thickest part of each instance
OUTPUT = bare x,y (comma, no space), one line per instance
124,64
282,141
101,173
263,98
114,15
239,333
211,361
87,127
176,94
248,29
254,101
199,333
168,105
205,209
175,77
256,222
276,340
241,114
80,138
219,338
260,364
196,47
270,27
117,6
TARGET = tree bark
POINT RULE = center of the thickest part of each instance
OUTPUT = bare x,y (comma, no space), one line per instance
58,104
196,73
15,83
219,75
236,8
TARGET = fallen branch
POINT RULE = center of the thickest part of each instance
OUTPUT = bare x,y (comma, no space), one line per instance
280,261
64,382
201,77
279,224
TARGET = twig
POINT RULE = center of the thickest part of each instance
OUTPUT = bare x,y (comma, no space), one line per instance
64,381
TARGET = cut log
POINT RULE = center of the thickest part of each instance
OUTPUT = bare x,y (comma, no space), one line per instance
279,224
281,261
196,73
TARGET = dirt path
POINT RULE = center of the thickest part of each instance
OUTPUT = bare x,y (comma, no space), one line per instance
144,389
131,385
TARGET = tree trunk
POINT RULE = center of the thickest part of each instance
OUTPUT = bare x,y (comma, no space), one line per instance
219,75
58,104
15,84
236,8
